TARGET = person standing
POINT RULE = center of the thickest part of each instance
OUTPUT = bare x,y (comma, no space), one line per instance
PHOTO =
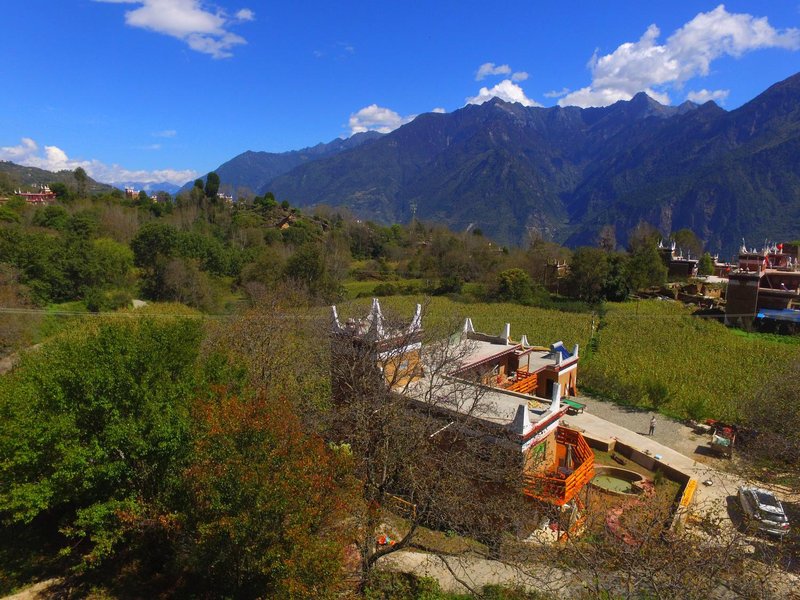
652,425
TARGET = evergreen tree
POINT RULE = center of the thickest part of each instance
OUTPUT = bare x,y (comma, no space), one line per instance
212,185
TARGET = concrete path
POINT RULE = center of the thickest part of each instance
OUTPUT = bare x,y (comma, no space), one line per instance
464,574
715,496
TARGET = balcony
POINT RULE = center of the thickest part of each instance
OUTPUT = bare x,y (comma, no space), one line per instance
560,484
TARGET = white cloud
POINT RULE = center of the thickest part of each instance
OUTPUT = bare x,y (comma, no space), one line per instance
589,96
505,90
18,153
439,110
376,118
245,14
704,95
188,20
165,133
489,68
556,93
53,158
520,76
646,65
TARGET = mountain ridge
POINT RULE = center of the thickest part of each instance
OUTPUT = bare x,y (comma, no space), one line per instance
565,172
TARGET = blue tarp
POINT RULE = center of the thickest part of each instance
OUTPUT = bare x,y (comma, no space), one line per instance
560,348
786,314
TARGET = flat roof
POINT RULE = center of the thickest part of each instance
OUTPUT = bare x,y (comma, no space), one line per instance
487,403
482,351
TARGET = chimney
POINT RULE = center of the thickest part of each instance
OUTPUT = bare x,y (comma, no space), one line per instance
555,405
522,420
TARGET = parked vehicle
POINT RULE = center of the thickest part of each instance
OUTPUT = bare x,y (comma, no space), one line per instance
763,510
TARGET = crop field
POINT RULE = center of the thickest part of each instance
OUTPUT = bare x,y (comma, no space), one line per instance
646,353
354,289
652,353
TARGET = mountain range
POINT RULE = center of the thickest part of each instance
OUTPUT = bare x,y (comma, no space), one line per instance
256,170
563,172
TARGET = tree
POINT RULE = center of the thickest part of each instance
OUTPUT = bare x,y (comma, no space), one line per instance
16,330
706,266
540,255
307,266
514,285
53,216
642,556
181,280
153,240
266,202
687,240
588,272
268,503
607,238
645,267
95,425
82,181
775,415
9,216
212,185
7,183
61,191
416,445
617,286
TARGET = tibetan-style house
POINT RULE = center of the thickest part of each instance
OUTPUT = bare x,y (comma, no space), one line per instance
766,279
525,389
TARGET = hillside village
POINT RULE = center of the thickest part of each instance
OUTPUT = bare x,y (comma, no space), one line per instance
526,327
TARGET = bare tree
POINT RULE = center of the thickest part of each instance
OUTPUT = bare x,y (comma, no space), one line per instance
418,442
632,549
17,328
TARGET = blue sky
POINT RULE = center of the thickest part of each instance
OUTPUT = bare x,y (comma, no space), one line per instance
165,90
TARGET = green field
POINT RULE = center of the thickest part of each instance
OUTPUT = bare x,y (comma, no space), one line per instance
646,353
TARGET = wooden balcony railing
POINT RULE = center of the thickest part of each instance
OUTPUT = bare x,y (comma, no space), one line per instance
560,487
525,382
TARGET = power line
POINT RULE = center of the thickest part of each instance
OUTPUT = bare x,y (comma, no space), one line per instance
46,312
75,313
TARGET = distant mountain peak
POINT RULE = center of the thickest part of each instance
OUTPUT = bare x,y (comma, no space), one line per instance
567,171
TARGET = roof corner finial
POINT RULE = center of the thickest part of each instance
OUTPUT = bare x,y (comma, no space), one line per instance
376,318
335,324
416,321
468,327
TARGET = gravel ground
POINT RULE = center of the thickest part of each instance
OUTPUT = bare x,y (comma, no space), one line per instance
669,432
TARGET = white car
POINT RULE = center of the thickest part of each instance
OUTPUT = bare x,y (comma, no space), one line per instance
763,510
